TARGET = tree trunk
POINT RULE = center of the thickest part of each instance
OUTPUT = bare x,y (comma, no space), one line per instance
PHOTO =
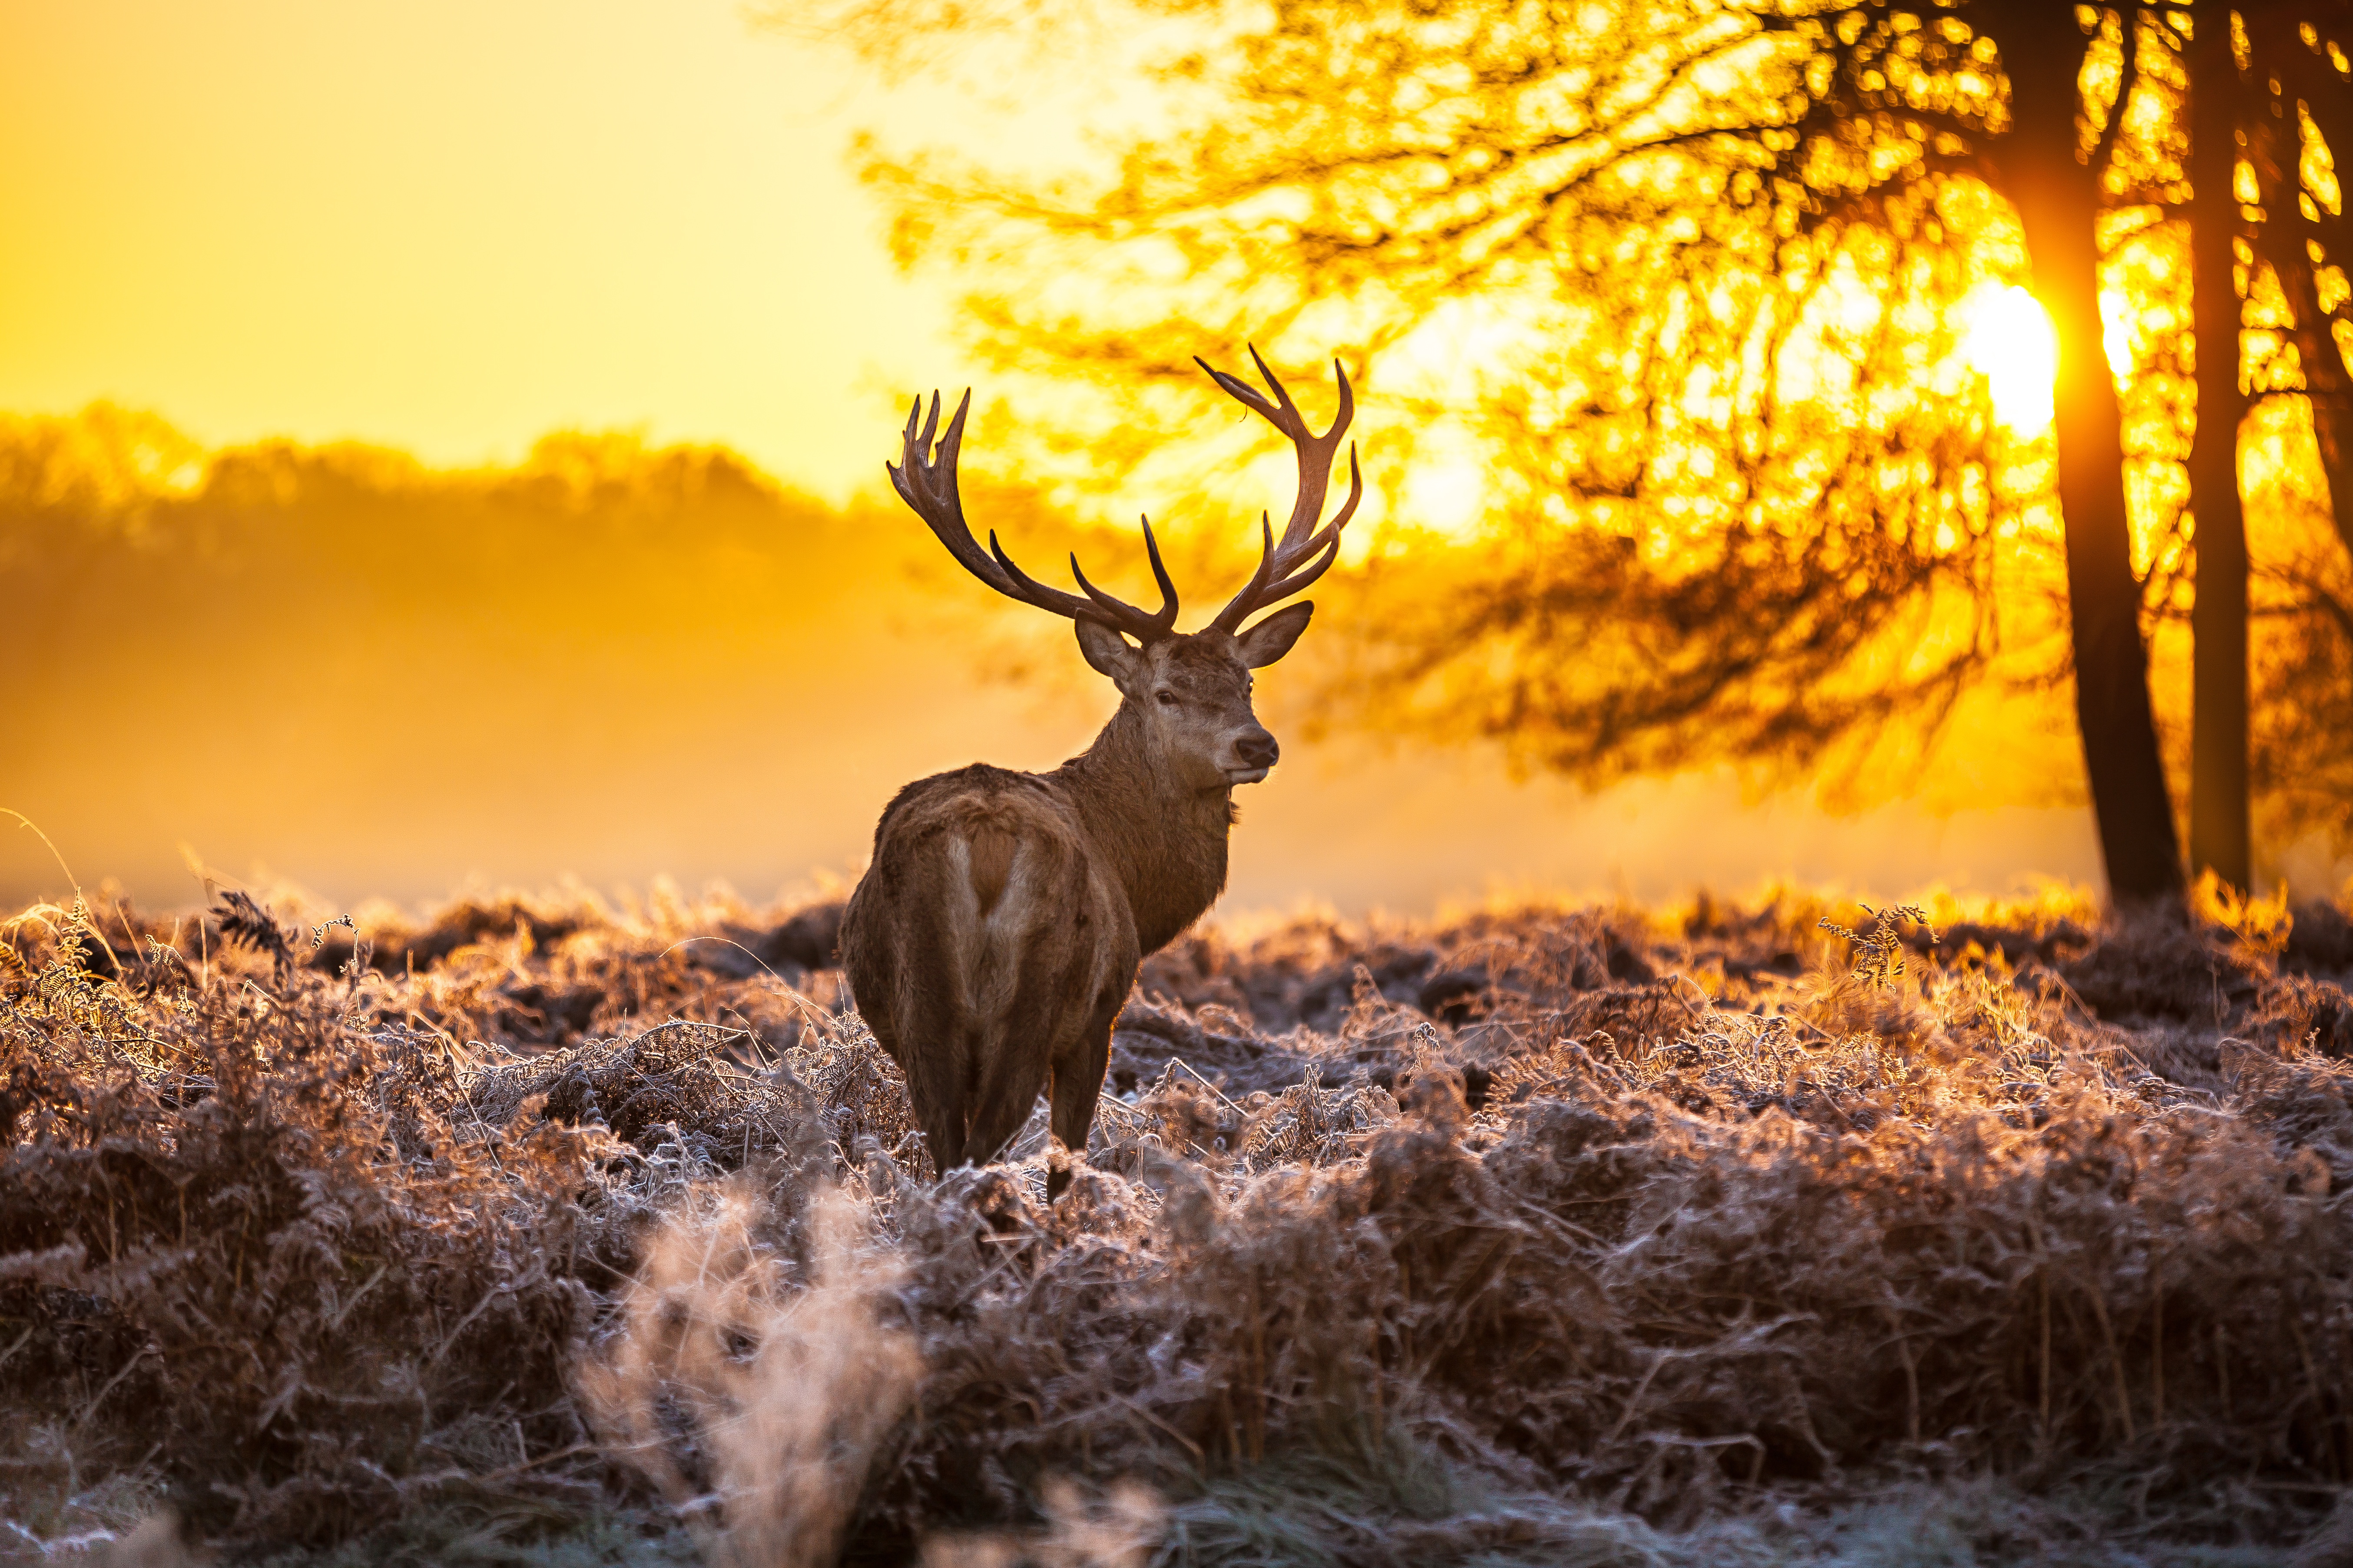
2332,428
2219,836
2056,197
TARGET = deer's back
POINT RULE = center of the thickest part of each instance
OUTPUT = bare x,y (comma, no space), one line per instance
968,866
979,816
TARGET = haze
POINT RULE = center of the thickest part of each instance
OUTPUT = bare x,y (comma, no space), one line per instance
451,229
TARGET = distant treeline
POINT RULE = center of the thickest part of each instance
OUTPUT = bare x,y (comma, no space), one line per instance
114,517
655,653
612,658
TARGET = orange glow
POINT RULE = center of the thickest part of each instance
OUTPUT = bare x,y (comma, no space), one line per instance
453,227
1445,493
2009,341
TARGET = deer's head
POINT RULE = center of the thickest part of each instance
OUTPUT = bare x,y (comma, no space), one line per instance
1190,691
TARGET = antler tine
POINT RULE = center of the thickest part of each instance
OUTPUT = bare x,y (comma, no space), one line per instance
927,483
1322,549
1305,551
1164,620
1281,394
1229,620
925,479
1241,390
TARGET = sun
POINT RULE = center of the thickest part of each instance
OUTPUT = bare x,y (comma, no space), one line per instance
2009,341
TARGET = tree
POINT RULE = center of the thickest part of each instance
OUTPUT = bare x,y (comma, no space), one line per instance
2220,818
1740,508
2055,191
2266,84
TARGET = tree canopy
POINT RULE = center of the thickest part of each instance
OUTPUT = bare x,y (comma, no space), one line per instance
1688,287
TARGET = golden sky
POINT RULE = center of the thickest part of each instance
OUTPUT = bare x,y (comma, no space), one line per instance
451,228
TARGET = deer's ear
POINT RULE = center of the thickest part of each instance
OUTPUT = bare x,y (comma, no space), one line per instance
1110,653
1272,638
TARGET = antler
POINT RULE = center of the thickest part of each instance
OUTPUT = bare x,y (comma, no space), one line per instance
926,480
1305,551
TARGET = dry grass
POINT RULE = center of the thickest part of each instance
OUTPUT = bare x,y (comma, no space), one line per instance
544,1232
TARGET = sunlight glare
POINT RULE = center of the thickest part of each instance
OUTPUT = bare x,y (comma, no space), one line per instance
2009,341
1446,494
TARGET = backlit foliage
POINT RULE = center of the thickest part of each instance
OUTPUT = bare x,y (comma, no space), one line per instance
1879,947
1666,303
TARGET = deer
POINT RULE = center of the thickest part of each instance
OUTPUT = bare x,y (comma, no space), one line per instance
1004,916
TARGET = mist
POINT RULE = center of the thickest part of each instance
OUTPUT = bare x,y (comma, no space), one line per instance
335,670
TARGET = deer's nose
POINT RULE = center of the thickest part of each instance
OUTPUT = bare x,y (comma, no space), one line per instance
1257,748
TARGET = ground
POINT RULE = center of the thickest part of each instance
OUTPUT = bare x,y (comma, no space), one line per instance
544,1231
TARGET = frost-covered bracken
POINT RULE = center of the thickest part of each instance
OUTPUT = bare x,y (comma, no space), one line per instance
1549,1234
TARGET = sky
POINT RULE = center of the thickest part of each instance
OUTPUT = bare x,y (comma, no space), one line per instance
451,228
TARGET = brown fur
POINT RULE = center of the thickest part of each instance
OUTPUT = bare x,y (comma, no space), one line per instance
992,848
1000,926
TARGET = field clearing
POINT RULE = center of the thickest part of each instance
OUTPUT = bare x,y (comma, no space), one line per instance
542,1231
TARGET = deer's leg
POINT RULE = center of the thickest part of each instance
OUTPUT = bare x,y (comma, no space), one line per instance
1014,1056
942,1121
903,974
1012,1066
934,1083
1000,1116
940,1091
1076,1084
1025,993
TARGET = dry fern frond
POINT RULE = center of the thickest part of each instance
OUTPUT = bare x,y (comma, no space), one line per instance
1530,1234
1879,948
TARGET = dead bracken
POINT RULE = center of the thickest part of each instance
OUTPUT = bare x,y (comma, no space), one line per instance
551,1232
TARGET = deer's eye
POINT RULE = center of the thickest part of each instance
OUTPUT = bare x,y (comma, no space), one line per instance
1167,698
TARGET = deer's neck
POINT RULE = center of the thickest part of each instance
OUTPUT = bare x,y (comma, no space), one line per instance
1164,842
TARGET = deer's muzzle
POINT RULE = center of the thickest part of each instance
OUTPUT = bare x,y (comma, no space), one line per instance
1256,751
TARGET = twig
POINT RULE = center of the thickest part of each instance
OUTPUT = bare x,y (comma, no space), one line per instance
1205,1083
1198,1457
2116,1361
345,1311
1634,1400
91,1409
519,1468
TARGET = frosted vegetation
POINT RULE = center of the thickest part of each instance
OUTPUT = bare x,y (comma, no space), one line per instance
542,1231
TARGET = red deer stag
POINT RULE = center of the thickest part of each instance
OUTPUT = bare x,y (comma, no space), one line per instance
1000,926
